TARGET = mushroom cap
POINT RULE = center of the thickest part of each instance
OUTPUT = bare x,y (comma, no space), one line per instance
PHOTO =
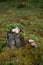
13,30
16,30
31,41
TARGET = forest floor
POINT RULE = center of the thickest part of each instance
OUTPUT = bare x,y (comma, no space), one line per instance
32,20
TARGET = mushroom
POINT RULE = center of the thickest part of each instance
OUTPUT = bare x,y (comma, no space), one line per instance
16,30
32,43
13,30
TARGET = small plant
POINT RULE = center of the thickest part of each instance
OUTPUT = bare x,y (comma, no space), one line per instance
11,26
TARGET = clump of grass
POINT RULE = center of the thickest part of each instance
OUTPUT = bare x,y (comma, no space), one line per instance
34,37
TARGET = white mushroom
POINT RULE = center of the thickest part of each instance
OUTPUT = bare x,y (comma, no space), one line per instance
16,30
32,43
13,30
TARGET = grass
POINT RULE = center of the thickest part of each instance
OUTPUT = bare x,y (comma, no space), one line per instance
32,21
